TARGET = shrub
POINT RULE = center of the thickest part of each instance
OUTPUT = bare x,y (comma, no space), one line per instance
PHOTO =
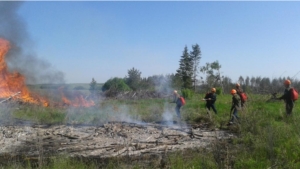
219,91
187,93
116,85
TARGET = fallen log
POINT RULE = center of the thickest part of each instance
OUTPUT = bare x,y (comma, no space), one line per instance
117,153
68,136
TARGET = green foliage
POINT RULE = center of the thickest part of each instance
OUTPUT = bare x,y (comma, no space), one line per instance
185,70
176,81
187,93
213,74
158,83
219,91
192,159
134,78
116,85
40,114
65,162
93,85
195,56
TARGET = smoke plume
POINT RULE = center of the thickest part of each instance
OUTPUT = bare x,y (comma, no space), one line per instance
96,116
21,57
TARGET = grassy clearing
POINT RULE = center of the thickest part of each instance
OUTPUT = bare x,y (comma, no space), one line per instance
266,137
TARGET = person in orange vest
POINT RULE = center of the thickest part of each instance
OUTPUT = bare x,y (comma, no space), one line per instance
210,99
235,106
289,103
239,90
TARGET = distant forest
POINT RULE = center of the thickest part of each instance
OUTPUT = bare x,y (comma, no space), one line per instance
191,76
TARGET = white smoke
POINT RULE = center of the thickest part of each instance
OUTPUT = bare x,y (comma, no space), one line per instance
123,115
102,115
161,83
169,116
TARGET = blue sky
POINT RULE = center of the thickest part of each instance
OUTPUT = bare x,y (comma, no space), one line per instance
102,40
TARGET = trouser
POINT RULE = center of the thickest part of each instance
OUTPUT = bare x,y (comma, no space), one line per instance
234,115
208,106
289,108
177,109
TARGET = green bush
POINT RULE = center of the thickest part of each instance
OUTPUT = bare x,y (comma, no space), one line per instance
115,84
219,91
187,93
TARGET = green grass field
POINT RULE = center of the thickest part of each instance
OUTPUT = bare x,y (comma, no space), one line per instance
266,137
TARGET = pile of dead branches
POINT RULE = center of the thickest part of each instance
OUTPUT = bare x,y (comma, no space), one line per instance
113,139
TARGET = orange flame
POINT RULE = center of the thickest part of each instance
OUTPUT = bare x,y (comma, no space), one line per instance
78,101
11,83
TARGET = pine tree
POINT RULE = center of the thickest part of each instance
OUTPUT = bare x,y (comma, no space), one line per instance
134,79
93,86
185,70
195,58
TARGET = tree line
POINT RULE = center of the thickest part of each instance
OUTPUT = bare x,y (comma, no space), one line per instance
186,78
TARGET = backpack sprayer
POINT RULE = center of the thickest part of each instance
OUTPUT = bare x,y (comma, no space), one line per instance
11,96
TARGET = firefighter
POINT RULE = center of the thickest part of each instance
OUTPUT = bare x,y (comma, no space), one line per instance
178,103
239,90
289,103
235,106
210,99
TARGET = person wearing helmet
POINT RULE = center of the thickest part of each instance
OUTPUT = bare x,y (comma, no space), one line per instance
289,103
178,103
235,106
239,91
210,99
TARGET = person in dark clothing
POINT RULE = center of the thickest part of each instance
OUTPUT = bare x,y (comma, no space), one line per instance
289,103
235,106
239,90
210,99
178,103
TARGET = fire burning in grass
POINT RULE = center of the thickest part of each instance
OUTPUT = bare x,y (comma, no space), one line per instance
13,82
78,101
